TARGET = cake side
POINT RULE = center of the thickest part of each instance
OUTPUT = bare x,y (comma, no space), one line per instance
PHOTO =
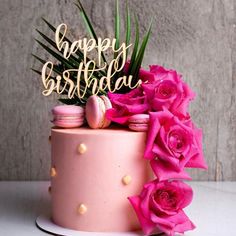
93,173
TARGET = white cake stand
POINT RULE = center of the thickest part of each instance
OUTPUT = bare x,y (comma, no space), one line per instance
44,223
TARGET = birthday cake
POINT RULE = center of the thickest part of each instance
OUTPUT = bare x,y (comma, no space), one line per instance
95,171
122,141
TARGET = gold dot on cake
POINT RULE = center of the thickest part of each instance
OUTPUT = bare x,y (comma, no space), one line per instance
82,148
82,209
53,172
126,179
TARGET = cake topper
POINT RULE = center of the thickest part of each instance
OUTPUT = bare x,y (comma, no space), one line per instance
77,75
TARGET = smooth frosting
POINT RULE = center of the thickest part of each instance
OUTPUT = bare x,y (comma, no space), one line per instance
94,179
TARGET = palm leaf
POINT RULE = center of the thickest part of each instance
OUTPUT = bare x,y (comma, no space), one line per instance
60,58
73,60
56,68
72,101
139,58
88,25
53,44
36,71
136,43
128,28
117,28
78,52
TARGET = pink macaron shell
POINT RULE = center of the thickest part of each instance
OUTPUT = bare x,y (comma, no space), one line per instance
93,112
108,106
139,119
68,123
68,110
138,127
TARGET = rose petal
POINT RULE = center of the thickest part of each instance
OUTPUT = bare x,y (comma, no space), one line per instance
152,133
145,75
147,225
184,224
112,115
185,193
179,223
126,105
197,160
165,172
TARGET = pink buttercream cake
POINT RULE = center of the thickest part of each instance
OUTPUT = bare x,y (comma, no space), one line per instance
93,172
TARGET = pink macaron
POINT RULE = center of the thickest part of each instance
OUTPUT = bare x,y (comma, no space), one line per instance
68,116
139,122
95,111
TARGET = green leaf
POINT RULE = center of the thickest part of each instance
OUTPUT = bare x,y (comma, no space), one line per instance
56,55
139,58
78,52
36,71
128,27
86,20
136,43
88,24
117,28
73,60
53,44
56,68
72,101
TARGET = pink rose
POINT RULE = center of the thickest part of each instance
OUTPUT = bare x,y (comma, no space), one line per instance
165,89
126,105
173,145
160,205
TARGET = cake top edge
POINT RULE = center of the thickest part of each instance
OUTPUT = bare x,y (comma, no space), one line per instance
87,130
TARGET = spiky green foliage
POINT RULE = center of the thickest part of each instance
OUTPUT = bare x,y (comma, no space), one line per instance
128,26
73,61
117,28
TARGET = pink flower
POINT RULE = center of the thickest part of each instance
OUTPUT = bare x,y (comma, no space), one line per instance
165,89
160,205
126,105
173,145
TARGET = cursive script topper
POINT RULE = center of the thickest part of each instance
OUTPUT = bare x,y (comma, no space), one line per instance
86,70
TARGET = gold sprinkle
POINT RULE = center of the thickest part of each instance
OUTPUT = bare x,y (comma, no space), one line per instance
53,172
82,148
126,179
82,209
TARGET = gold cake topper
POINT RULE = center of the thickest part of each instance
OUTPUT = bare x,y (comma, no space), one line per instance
86,69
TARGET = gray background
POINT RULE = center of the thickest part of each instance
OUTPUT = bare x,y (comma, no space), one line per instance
196,37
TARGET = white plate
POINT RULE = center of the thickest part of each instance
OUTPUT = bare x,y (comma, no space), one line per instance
44,223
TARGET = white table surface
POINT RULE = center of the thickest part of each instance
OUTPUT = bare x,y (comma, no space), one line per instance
213,209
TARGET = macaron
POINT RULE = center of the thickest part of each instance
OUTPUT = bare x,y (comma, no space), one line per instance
139,122
95,111
68,116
